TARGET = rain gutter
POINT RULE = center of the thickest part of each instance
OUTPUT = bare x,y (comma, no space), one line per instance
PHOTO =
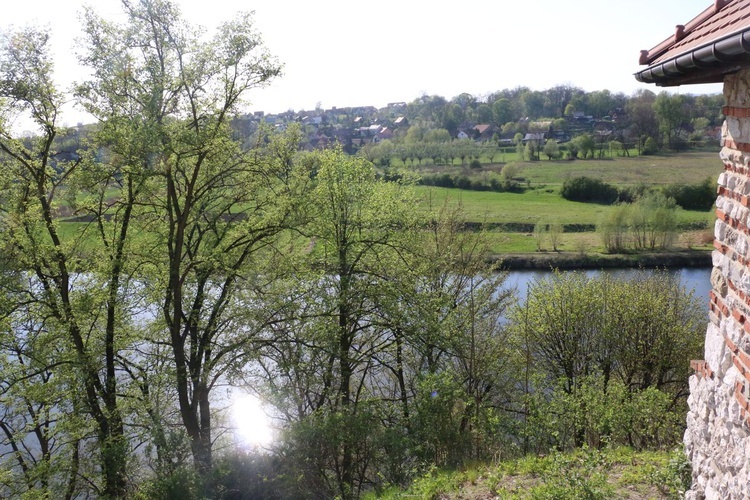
705,64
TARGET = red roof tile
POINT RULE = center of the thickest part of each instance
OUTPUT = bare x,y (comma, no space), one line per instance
709,46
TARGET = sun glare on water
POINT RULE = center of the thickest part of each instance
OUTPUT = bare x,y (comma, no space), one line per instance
253,426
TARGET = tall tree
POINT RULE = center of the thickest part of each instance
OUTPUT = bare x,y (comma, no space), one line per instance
214,207
642,117
358,223
671,113
558,98
502,111
84,310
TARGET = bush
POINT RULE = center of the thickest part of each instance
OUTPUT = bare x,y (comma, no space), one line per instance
699,196
614,227
490,182
630,194
649,147
586,189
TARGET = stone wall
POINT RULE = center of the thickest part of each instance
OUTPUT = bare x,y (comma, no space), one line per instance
717,439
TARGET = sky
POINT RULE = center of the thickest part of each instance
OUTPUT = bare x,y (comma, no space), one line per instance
347,53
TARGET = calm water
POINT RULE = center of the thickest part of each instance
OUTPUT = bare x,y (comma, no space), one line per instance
696,279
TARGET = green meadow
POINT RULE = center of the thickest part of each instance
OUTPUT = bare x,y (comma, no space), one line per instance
541,203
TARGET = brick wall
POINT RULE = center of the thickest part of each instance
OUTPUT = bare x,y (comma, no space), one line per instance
718,434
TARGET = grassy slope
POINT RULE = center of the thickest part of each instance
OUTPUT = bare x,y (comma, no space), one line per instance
591,474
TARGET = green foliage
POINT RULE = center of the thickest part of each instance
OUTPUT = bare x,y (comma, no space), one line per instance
650,147
435,482
182,483
552,150
539,233
596,341
700,196
653,222
649,223
672,113
675,477
581,476
555,235
376,330
614,227
532,151
482,182
585,146
586,189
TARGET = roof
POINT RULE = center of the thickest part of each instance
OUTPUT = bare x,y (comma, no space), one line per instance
713,44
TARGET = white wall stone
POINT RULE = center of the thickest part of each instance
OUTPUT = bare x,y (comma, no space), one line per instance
717,439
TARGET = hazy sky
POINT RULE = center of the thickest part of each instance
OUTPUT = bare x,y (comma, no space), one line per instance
351,53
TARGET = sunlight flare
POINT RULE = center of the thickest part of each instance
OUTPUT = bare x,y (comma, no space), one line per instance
253,426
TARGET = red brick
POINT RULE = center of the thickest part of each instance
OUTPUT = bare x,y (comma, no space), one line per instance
736,112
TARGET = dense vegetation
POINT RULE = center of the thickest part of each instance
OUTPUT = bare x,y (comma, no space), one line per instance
384,342
586,473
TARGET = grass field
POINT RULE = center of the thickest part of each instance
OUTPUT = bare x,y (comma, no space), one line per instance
541,202
689,167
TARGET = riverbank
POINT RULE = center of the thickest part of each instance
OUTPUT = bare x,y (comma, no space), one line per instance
576,260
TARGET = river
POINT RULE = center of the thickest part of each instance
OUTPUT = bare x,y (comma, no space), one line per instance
697,280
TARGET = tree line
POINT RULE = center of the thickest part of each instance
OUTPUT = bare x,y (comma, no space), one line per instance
379,334
600,123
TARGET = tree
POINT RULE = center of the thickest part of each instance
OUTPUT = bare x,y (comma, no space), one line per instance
600,103
451,117
551,149
482,114
655,342
414,135
520,149
581,328
649,146
533,103
671,114
532,150
585,145
502,111
558,98
642,117
82,312
555,235
153,81
437,135
653,221
358,227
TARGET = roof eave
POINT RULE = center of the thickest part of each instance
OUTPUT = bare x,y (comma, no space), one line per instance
708,63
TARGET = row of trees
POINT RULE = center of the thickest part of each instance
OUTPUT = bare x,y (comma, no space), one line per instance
438,152
118,330
644,114
377,332
469,152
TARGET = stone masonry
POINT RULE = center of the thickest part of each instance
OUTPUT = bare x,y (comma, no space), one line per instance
717,439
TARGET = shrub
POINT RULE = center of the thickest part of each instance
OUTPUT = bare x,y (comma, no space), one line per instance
586,189
649,147
539,230
699,196
613,229
653,221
